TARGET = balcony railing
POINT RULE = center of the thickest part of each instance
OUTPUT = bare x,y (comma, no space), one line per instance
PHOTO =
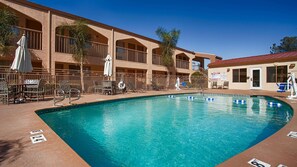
34,37
182,64
64,44
157,59
130,55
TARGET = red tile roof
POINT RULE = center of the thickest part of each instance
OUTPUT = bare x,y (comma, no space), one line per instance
261,59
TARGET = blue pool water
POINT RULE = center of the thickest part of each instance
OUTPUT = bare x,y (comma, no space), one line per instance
162,131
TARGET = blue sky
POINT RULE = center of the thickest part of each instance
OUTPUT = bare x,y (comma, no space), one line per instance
226,28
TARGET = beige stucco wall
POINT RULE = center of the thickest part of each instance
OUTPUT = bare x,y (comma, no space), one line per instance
40,16
247,85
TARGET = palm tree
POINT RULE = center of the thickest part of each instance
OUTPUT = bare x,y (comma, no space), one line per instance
168,44
78,31
7,22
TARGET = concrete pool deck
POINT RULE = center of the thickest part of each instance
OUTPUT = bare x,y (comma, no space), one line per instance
17,120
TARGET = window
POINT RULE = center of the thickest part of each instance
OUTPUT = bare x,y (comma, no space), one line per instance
239,75
277,74
236,75
242,77
271,74
282,73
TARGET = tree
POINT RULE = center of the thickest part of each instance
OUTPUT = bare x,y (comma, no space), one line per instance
168,44
78,31
200,79
287,44
7,22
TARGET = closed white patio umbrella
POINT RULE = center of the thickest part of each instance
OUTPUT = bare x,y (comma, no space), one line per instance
108,66
22,60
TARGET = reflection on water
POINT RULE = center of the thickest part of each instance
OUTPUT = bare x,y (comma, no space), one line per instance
159,131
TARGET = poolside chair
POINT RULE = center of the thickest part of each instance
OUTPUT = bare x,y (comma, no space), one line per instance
225,85
155,86
214,84
184,84
97,87
65,91
143,88
131,87
34,88
282,87
5,93
108,87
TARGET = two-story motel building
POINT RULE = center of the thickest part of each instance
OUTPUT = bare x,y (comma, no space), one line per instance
132,53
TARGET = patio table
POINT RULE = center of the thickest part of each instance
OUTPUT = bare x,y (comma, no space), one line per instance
17,92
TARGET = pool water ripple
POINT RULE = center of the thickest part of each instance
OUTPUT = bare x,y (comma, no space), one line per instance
159,131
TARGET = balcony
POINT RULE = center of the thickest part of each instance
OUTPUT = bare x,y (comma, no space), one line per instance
34,37
157,59
130,55
182,64
64,44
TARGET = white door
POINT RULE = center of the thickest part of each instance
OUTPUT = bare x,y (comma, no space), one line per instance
256,78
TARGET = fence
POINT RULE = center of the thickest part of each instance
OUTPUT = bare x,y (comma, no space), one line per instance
34,37
130,55
157,59
133,81
182,64
64,44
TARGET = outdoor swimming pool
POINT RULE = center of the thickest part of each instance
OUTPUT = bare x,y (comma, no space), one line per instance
167,131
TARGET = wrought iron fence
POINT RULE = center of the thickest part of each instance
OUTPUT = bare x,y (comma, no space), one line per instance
34,37
157,59
64,44
182,64
133,81
130,55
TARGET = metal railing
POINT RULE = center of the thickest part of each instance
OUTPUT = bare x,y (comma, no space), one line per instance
34,37
133,81
64,44
182,64
157,59
130,55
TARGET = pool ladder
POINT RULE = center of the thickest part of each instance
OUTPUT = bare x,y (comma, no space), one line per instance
60,95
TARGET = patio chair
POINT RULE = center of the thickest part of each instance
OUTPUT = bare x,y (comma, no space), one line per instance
130,87
65,90
5,93
282,87
225,85
214,84
97,87
108,87
184,84
143,88
34,88
155,86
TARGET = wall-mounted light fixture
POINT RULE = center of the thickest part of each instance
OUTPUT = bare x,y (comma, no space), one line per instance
291,66
228,69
